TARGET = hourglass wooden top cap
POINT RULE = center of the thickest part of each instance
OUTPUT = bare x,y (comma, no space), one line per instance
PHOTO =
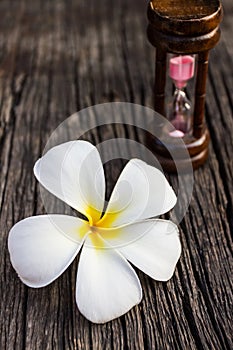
185,18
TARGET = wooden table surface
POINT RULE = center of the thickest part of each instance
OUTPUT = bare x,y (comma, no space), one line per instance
57,57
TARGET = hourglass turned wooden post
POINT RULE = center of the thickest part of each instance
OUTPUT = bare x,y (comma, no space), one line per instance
183,28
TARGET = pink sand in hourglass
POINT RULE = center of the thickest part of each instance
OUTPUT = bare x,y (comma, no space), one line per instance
181,69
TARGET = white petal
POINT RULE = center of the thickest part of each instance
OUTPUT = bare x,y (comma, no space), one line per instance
39,251
107,286
141,192
74,173
153,246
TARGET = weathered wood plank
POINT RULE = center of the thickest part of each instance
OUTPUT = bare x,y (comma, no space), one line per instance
56,58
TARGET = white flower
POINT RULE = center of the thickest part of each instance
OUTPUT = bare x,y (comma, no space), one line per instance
42,247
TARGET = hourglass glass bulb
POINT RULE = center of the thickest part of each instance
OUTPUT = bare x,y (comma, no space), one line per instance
181,69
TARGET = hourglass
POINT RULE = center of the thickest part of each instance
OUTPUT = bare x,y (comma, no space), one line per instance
182,29
181,69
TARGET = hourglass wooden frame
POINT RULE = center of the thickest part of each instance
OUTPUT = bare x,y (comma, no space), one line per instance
181,27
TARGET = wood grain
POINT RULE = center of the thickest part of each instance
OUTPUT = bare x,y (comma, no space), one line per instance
57,57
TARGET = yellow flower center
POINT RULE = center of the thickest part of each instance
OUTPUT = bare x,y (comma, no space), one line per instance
105,221
96,223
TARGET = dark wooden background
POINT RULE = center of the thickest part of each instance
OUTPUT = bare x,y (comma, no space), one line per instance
57,57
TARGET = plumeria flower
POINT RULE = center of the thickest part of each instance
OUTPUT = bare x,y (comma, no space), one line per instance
42,247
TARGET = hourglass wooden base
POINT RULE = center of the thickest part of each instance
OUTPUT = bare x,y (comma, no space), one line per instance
197,152
183,29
